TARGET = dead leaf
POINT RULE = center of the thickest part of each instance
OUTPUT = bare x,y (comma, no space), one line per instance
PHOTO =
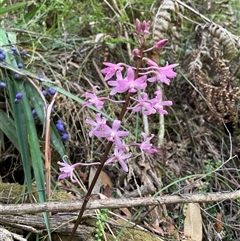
107,191
170,227
218,223
103,180
126,212
193,223
154,228
158,230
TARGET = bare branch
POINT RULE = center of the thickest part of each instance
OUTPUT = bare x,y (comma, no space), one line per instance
116,203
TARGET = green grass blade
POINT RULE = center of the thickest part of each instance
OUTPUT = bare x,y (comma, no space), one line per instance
21,133
36,155
64,92
17,112
74,97
39,106
8,128
2,143
29,15
3,3
12,7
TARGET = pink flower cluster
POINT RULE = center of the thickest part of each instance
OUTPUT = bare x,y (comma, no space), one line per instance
122,79
150,106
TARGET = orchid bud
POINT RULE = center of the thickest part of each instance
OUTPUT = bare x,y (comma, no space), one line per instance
161,43
145,27
150,62
138,26
136,52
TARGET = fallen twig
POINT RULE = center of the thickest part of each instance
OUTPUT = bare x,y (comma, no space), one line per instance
35,224
72,206
8,236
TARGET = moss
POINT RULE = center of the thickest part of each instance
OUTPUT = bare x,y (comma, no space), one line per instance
131,234
14,192
59,195
11,192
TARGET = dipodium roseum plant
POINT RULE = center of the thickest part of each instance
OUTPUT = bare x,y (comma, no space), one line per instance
131,82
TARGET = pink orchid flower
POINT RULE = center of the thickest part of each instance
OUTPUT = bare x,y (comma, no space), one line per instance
128,84
93,99
146,146
164,74
144,105
114,135
110,70
67,169
120,157
158,104
101,129
150,106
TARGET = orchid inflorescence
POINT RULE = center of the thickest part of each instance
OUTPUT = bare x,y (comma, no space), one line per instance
123,78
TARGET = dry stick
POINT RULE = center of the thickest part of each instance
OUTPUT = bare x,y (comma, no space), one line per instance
111,203
47,148
8,236
108,148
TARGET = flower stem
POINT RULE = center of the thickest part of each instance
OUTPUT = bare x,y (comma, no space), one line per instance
89,192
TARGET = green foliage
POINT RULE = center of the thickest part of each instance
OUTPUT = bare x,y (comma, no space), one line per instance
19,125
100,224
9,8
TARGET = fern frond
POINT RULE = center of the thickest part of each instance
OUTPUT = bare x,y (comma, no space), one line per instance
224,38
